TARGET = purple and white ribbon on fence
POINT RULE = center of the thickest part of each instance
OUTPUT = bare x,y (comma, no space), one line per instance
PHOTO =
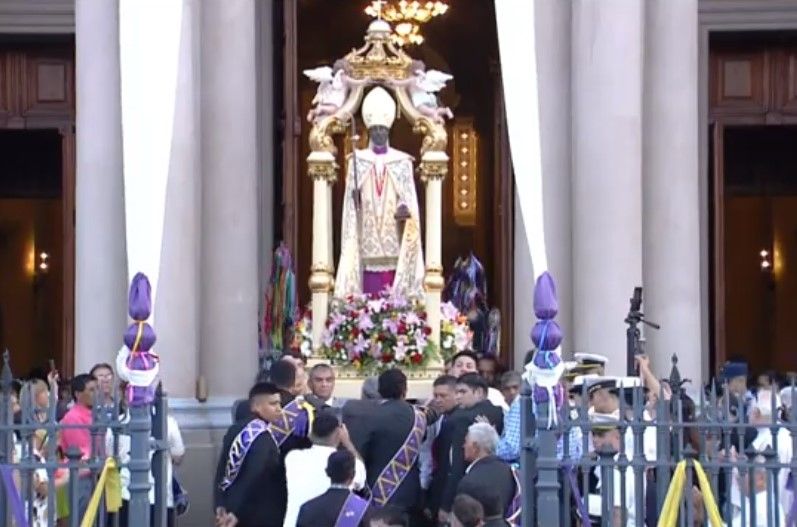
12,493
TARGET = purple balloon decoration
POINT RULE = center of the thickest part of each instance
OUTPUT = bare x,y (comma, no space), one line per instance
547,336
140,338
546,306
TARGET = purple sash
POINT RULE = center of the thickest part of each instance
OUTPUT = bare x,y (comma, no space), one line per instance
397,469
582,509
516,505
240,447
294,420
12,493
352,512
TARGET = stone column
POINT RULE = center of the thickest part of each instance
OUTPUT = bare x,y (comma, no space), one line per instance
671,247
177,307
101,263
607,165
229,290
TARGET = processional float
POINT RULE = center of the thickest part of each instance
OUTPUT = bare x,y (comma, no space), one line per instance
377,63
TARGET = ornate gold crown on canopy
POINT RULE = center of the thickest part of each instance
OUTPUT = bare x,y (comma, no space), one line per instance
379,58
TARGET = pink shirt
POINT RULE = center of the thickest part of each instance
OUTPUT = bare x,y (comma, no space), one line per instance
79,437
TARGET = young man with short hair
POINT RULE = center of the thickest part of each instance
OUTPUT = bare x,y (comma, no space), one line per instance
305,467
466,512
471,396
250,478
467,362
338,501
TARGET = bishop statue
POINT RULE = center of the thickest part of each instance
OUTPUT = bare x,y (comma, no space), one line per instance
380,232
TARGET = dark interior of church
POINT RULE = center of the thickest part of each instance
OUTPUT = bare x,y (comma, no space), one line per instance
31,246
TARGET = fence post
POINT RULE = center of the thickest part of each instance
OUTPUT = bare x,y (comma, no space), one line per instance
139,466
6,433
74,455
527,461
159,458
548,468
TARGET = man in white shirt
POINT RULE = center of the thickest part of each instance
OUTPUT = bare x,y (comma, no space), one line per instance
305,468
742,497
174,456
761,417
606,436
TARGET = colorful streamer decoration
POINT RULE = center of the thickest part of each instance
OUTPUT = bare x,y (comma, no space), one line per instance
282,310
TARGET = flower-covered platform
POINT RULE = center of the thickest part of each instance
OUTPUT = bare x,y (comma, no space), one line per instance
364,336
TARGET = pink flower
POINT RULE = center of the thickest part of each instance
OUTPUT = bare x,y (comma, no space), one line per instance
449,311
376,305
390,325
411,319
420,339
364,323
400,350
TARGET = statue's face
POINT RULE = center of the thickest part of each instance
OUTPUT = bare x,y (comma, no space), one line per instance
379,135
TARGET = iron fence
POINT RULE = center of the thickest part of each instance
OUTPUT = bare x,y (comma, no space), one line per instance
719,448
31,461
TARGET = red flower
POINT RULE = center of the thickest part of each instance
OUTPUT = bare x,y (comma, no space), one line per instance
427,330
416,358
422,315
355,332
402,328
338,345
387,358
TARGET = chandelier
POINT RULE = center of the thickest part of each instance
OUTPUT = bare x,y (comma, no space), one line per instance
406,17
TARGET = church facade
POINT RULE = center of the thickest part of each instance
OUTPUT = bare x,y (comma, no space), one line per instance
624,131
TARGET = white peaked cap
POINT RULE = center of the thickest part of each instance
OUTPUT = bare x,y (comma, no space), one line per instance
590,358
379,108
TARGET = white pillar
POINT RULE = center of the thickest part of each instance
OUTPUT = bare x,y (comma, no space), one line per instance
177,308
229,197
607,163
671,187
101,263
434,259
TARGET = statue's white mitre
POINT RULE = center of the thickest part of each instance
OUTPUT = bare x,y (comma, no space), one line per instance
378,108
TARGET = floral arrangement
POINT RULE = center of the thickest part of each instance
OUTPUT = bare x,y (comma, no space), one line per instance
455,332
372,334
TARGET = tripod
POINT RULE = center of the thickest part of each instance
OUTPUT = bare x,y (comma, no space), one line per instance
634,318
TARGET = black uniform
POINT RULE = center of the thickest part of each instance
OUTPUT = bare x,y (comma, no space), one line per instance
378,430
459,422
259,495
324,510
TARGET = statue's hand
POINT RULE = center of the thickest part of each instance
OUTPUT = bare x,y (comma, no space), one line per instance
402,213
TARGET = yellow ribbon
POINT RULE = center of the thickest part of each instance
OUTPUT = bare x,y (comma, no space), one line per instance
110,483
669,511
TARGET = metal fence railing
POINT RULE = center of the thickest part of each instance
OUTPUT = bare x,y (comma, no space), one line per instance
735,452
42,483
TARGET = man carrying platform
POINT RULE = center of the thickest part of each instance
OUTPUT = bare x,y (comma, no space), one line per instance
389,441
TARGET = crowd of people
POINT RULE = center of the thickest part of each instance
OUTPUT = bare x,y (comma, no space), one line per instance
452,459
380,460
84,436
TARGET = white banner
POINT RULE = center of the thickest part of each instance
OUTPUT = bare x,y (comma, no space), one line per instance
518,54
149,42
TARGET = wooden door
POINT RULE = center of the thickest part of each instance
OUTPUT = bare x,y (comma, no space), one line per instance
718,231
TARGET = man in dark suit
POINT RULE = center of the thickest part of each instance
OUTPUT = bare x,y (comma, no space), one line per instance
283,374
324,510
471,396
380,434
487,479
260,467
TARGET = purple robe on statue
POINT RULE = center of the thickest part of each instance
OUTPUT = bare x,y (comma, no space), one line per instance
374,282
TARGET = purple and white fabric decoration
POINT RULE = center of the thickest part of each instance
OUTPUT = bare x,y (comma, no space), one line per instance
136,363
546,368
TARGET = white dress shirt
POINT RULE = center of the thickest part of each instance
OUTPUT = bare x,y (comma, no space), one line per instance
307,478
763,441
497,398
176,449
